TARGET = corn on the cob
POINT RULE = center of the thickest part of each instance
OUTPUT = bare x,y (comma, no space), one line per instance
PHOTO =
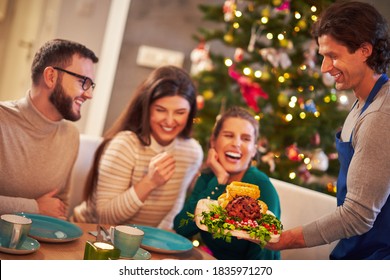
242,189
224,200
239,189
263,206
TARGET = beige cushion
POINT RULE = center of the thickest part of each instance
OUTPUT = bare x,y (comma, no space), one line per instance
300,206
88,146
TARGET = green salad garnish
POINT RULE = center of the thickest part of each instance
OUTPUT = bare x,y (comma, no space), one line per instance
220,225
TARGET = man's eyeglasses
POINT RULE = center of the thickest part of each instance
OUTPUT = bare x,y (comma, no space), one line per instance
87,82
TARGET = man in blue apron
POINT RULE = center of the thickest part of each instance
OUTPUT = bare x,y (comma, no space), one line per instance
353,39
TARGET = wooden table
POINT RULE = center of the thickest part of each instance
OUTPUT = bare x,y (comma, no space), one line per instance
74,250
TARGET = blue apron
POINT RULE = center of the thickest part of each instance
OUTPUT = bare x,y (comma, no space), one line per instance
374,244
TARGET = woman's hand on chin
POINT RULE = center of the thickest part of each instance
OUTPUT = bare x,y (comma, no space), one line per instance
218,170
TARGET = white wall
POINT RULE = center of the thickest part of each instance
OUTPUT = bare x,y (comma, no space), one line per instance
27,24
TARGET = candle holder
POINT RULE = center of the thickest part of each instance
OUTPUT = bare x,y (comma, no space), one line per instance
101,250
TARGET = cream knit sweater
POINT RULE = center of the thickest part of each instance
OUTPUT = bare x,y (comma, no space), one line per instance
124,163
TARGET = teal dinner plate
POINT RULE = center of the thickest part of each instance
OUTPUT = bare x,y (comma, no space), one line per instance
29,246
163,241
52,230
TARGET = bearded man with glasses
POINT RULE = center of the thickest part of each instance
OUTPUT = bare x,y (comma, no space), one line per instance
38,142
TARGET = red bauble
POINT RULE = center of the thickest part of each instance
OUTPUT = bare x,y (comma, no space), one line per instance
200,102
292,152
238,55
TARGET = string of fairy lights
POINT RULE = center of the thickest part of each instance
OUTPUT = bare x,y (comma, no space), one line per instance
279,59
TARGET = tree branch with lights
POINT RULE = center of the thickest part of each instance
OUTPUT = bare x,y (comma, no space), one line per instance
260,54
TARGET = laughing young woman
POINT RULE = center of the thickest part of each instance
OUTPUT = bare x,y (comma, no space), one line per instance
232,147
147,160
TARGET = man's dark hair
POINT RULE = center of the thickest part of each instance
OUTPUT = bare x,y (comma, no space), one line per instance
353,24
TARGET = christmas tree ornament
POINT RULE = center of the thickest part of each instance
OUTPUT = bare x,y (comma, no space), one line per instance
228,38
301,102
284,60
310,106
270,55
331,187
200,59
250,90
265,12
315,140
282,99
277,58
310,53
276,3
333,156
269,159
266,75
328,79
284,43
273,68
208,94
238,55
199,102
262,145
198,121
255,31
319,160
229,8
285,6
303,173
252,40
292,152
302,24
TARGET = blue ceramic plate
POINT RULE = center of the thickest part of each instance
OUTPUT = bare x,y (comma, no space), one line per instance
52,230
29,246
163,241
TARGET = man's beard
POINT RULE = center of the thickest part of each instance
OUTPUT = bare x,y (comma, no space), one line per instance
63,103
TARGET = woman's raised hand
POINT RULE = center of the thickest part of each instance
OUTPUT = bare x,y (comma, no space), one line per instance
216,167
161,168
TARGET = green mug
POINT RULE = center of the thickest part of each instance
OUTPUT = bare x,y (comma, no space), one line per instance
101,250
127,238
13,230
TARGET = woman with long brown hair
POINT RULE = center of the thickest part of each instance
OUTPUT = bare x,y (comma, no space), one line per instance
147,160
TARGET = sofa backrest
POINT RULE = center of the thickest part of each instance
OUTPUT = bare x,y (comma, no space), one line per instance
300,206
88,146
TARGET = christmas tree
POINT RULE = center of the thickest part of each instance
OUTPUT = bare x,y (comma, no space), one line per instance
267,61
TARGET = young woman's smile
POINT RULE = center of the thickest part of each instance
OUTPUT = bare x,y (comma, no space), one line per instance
235,145
168,118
